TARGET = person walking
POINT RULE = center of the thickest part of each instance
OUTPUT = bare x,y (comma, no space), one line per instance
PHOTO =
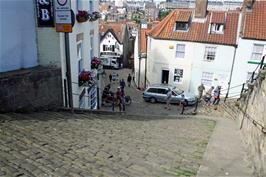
201,88
216,95
208,95
110,78
119,98
168,99
129,78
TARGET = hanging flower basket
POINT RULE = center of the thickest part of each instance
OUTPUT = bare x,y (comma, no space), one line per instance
95,63
82,16
95,16
85,78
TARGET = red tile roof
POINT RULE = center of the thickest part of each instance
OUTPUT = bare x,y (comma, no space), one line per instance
118,28
218,17
254,25
198,31
183,17
143,40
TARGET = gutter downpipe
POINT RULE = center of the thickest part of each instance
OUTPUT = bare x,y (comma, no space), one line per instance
139,56
231,73
145,77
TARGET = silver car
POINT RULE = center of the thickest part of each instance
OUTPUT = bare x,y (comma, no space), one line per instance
157,93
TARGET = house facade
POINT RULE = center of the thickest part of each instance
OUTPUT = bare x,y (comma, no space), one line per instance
115,41
83,47
190,47
251,45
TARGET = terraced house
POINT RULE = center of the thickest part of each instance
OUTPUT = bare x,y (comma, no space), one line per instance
251,44
193,46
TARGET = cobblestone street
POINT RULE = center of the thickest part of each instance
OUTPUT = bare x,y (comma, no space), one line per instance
139,106
64,144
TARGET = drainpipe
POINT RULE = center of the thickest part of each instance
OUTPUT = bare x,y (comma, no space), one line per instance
68,72
139,56
145,77
231,73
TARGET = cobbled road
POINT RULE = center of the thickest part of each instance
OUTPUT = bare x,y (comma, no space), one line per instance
64,144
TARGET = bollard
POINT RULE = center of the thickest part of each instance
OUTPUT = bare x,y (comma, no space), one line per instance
196,106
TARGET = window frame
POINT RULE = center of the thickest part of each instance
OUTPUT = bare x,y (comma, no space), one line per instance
208,51
257,53
80,56
206,80
176,74
179,51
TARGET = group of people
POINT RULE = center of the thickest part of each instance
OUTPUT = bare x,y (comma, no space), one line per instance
212,96
119,96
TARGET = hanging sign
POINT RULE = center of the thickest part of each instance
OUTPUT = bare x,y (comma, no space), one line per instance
63,20
45,13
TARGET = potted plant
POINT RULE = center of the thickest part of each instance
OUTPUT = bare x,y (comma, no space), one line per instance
82,16
95,63
84,77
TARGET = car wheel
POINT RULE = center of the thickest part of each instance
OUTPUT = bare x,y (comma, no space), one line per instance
152,100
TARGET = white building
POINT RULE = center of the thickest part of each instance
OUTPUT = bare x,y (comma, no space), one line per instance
18,36
189,48
83,46
251,45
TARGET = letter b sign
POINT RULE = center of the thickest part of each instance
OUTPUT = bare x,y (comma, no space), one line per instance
45,13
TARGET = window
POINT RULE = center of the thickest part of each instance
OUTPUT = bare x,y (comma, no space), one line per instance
180,51
217,28
80,57
257,52
162,91
91,6
91,49
153,90
108,48
209,53
207,78
79,5
178,75
182,26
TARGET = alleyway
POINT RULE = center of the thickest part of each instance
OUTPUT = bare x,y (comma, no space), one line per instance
139,106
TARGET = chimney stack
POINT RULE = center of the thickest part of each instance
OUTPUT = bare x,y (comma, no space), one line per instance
248,4
201,8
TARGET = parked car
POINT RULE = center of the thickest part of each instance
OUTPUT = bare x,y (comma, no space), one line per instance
157,93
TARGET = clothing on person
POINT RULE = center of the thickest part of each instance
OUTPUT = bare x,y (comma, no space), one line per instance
129,78
201,88
168,98
122,84
216,95
208,95
110,78
119,98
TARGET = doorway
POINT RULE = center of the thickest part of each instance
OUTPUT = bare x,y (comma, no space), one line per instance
165,76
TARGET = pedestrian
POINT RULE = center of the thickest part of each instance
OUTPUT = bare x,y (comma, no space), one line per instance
129,78
208,95
122,84
110,78
216,95
119,98
168,99
183,103
201,88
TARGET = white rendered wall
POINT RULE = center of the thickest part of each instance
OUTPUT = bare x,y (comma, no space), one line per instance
162,56
17,35
242,67
111,41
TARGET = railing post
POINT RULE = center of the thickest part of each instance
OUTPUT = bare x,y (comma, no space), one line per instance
252,77
243,86
262,62
226,96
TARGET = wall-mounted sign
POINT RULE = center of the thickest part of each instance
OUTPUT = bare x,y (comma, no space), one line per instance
45,13
63,18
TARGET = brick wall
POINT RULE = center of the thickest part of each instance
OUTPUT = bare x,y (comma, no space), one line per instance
33,89
253,106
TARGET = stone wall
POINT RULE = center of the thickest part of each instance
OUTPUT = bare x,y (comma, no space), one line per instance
251,118
33,89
